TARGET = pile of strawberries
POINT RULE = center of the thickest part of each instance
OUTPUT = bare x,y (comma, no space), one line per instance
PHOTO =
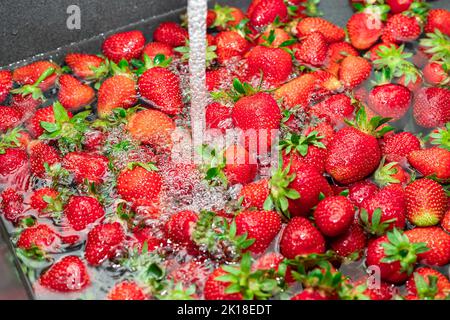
91,189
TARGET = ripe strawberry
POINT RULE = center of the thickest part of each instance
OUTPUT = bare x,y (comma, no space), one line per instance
261,59
263,226
397,147
73,94
102,242
390,100
263,12
331,32
425,289
118,91
324,130
301,237
398,6
297,92
352,242
391,174
312,50
310,294
26,105
426,202
41,237
354,71
336,53
435,75
171,33
38,199
273,37
254,194
139,184
127,290
13,162
29,74
334,215
180,226
360,191
445,223
432,161
364,30
430,107
215,79
161,88
218,116
240,167
230,44
85,166
145,235
437,240
401,28
124,45
224,17
9,118
86,66
12,205
153,49
6,84
81,211
41,154
336,108
216,290
67,275
45,114
438,19
151,127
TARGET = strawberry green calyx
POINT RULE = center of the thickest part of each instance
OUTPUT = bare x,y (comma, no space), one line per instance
34,253
223,16
10,139
300,144
441,137
210,53
306,262
214,165
426,290
370,126
33,89
399,248
243,29
322,279
374,226
177,292
259,284
146,63
418,9
312,8
384,174
119,116
238,90
438,45
149,166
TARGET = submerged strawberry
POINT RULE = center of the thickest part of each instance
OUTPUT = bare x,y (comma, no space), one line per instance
81,211
67,275
102,242
125,45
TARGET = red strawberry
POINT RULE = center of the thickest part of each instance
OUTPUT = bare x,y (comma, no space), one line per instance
153,49
171,33
335,108
39,236
430,107
215,79
240,167
426,202
401,28
254,194
360,191
273,37
261,59
391,174
354,71
398,6
310,294
300,237
9,118
180,226
39,197
297,92
351,242
390,100
41,154
445,223
73,94
218,116
397,147
264,12
422,290
81,211
146,235
331,32
5,84
12,205
215,289
312,50
263,226
432,161
102,242
230,44
336,53
42,115
437,240
67,275
224,17
86,66
26,105
124,45
435,74
438,19
324,130
364,30
118,91
334,215
127,290
88,167
29,74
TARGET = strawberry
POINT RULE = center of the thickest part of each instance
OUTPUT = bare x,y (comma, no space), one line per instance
73,94
350,243
397,147
336,108
263,226
153,49
254,194
215,79
427,283
264,12
102,242
355,154
324,130
45,114
336,53
312,50
124,45
430,107
331,32
151,127
390,100
87,66
216,290
438,19
297,92
32,73
300,237
360,191
180,226
391,173
224,17
445,223
12,205
140,184
437,240
170,33
6,84
81,211
145,235
43,199
42,154
433,161
435,75
118,91
40,237
230,44
395,256
401,28
334,215
9,118
426,202
127,290
26,105
240,167
218,116
354,71
66,275
274,37
260,62
398,6
364,30
88,167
